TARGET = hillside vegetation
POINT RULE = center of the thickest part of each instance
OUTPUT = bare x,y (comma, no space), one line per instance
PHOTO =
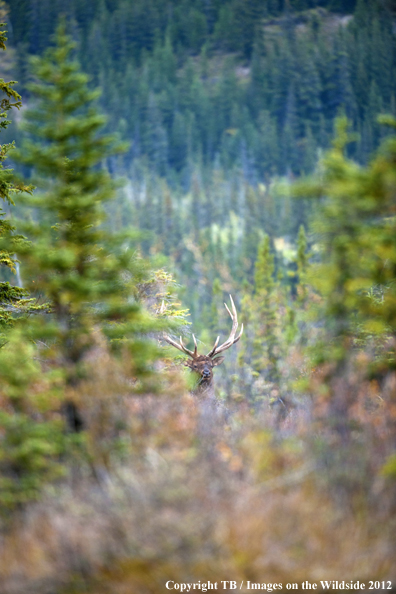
216,101
248,149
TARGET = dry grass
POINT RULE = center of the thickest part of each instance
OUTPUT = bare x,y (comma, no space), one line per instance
199,492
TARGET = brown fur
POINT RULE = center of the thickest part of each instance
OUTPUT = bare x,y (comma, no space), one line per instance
203,366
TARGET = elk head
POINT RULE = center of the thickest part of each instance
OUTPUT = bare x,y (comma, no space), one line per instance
203,365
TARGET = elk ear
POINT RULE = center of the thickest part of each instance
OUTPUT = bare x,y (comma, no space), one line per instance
218,361
188,363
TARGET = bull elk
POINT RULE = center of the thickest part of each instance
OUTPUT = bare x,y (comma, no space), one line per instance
203,365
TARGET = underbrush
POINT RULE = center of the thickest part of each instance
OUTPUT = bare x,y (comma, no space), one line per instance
198,490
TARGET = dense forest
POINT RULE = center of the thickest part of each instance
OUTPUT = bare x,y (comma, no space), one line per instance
248,84
159,160
217,101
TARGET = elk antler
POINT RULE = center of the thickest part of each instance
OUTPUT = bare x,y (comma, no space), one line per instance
181,346
215,350
231,339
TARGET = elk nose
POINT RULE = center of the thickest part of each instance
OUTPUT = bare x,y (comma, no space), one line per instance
206,373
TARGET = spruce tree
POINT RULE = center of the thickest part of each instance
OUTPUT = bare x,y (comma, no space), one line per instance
356,281
31,440
89,276
14,300
264,356
249,14
349,223
302,258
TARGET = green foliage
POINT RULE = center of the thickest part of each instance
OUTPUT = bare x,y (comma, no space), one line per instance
155,86
31,442
88,275
208,133
13,302
302,260
29,458
389,468
264,268
262,318
197,117
93,280
276,315
11,99
265,353
355,224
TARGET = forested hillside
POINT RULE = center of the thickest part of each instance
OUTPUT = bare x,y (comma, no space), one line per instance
248,84
217,100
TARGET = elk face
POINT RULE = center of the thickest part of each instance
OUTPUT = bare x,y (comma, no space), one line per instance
203,364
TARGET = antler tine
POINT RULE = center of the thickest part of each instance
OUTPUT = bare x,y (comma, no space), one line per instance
234,317
231,339
178,346
234,311
196,346
226,306
211,353
229,342
185,349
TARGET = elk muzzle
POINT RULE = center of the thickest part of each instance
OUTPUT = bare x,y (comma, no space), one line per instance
206,372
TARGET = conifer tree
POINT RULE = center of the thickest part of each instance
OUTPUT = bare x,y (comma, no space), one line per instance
352,223
88,275
302,265
355,226
31,438
264,356
14,300
356,274
249,14
31,442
